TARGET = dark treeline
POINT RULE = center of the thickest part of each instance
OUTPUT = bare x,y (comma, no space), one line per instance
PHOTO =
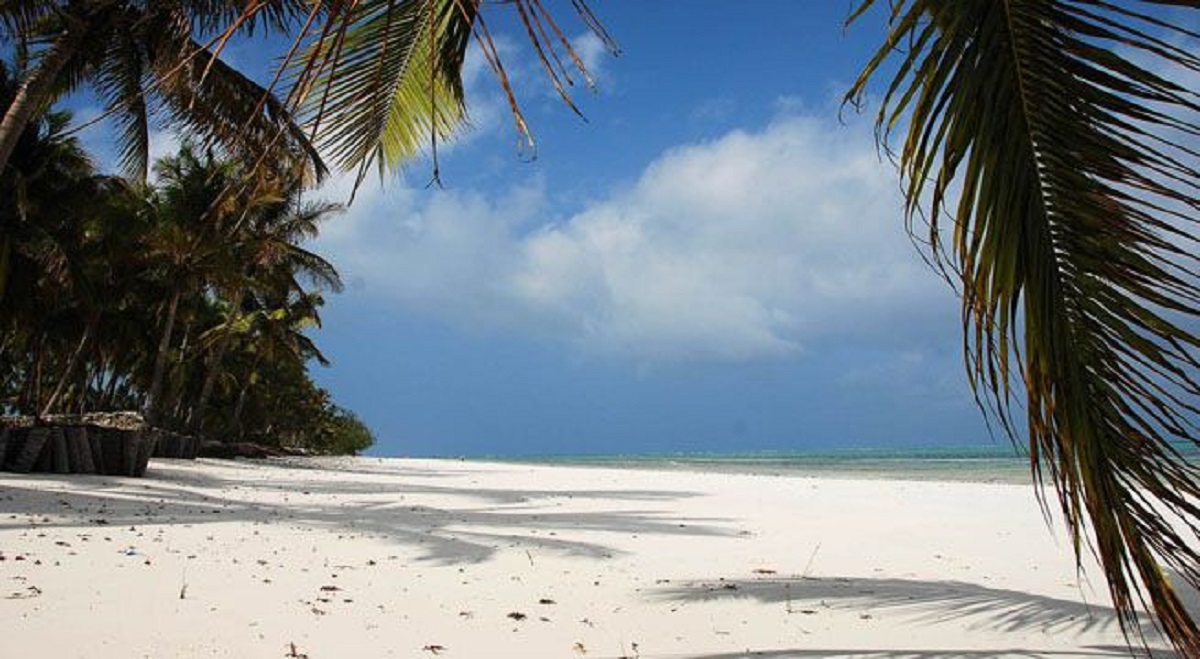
187,298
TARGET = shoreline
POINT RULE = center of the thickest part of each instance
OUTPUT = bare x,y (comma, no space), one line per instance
850,465
412,558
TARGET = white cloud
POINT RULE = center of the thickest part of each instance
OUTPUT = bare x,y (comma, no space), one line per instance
754,245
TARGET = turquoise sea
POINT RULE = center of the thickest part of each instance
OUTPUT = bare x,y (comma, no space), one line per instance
999,463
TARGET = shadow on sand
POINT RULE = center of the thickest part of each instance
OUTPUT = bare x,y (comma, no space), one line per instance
929,602
468,525
1009,653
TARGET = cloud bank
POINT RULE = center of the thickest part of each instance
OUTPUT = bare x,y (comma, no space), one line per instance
754,245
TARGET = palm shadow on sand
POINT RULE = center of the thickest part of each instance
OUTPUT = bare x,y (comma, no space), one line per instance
472,527
924,602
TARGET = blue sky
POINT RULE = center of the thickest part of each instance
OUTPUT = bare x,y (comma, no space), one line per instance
711,262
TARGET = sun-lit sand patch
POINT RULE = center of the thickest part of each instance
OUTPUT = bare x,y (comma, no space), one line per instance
408,558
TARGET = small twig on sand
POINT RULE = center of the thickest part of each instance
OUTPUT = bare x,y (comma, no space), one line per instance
811,558
787,587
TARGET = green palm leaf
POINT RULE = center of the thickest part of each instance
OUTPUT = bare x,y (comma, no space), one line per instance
1061,150
385,79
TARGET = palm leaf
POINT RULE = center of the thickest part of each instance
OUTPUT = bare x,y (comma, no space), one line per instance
207,97
1060,148
383,79
120,79
380,80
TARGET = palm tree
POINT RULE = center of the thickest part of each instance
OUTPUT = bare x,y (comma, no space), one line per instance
43,305
1052,138
48,172
186,245
141,54
274,275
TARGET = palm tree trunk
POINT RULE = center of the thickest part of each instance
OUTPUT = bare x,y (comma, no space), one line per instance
241,401
237,411
34,392
210,379
71,364
154,396
34,93
214,364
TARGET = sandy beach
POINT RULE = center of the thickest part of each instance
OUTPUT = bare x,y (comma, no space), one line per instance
366,557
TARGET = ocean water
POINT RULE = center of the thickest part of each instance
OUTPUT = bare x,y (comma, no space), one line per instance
1000,463
986,464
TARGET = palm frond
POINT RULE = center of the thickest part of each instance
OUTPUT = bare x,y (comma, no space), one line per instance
1065,151
120,79
385,79
379,80
17,16
211,99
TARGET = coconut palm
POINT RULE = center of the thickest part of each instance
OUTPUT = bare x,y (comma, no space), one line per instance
1054,141
49,170
49,178
186,247
140,56
264,241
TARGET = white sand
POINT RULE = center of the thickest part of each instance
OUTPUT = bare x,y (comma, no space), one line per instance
385,558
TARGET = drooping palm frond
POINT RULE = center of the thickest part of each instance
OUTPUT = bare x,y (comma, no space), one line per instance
380,80
1054,137
120,79
144,56
383,78
16,16
215,101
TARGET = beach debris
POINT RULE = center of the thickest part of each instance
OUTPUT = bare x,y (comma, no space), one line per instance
294,652
330,589
580,647
764,570
516,615
434,649
30,592
546,600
